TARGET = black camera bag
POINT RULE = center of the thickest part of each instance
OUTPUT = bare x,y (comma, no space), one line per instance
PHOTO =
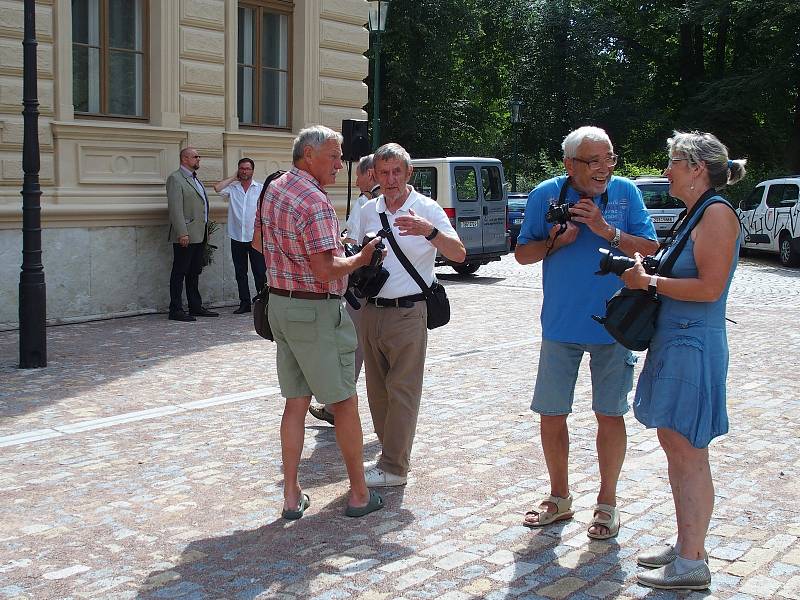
631,315
435,296
261,301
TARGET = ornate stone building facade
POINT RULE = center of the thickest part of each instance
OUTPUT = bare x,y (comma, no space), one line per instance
123,85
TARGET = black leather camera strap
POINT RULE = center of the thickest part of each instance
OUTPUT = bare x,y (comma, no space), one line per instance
687,223
403,258
568,183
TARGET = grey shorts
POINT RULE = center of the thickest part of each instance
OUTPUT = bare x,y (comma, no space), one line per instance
611,366
316,348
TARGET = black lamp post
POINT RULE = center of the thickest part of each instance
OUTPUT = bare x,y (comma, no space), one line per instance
32,311
516,119
377,24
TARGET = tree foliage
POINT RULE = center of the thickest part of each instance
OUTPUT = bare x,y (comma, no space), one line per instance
637,68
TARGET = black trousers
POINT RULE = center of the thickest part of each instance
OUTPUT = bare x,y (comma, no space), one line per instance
187,264
240,251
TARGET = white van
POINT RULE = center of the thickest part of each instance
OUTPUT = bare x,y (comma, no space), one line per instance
472,192
770,218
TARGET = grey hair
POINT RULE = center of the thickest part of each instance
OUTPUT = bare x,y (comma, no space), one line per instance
365,164
314,136
391,151
705,148
575,138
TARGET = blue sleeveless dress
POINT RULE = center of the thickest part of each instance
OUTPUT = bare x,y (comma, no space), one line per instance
682,384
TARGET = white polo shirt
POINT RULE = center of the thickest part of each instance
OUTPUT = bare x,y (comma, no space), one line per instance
420,252
241,209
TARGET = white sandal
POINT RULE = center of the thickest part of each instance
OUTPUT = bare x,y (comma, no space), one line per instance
563,511
611,523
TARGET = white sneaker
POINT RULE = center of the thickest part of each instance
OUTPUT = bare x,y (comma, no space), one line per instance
378,478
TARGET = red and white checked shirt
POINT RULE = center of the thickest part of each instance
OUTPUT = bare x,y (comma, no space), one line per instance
298,221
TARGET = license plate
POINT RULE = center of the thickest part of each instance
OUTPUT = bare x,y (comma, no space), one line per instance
517,221
665,219
469,223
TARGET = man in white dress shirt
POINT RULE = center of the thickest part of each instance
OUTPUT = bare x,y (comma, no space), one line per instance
243,192
393,330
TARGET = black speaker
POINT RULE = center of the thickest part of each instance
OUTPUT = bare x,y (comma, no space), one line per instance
356,139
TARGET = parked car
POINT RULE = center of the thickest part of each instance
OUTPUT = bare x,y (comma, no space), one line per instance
516,214
770,218
663,208
471,190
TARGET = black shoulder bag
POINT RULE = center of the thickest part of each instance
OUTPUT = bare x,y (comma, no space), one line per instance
631,314
435,296
261,301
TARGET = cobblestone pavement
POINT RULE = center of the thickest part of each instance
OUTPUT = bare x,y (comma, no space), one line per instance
144,462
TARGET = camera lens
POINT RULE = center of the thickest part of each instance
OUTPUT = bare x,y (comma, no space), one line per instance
613,264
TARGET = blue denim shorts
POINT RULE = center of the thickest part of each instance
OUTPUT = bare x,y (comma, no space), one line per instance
611,366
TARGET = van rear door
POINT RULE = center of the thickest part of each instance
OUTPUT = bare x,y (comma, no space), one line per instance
494,205
468,206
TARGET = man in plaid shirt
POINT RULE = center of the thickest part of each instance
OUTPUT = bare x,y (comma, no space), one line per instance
316,341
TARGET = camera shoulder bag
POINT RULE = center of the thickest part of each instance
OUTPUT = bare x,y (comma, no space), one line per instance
435,296
631,314
261,301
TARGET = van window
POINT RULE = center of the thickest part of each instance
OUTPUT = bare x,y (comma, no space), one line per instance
782,195
424,181
753,200
492,184
466,184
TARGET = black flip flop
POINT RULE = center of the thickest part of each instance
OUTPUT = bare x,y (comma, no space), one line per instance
293,515
375,503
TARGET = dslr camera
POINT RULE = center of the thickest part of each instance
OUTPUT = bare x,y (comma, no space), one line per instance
367,281
559,213
619,264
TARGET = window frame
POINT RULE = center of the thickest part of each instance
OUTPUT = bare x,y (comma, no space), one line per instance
459,184
281,7
105,50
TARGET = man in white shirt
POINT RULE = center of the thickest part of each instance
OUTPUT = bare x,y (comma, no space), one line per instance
393,330
243,193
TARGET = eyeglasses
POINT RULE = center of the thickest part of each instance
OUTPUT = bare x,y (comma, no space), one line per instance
596,163
674,160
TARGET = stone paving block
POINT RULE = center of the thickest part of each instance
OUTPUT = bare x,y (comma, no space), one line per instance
563,588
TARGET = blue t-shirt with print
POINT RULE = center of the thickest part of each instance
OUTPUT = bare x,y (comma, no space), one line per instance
572,290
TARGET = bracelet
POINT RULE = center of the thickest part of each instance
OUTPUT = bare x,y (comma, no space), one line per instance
432,234
548,246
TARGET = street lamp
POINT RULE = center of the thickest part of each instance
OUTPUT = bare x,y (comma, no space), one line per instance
516,119
32,311
377,24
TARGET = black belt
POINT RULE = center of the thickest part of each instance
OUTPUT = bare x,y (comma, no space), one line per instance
404,302
301,295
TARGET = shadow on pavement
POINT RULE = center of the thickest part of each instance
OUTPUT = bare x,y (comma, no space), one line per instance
88,357
298,558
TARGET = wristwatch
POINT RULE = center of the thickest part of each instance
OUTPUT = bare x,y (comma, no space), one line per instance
652,287
615,240
432,234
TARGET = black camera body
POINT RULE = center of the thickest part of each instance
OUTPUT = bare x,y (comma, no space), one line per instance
367,281
559,213
619,264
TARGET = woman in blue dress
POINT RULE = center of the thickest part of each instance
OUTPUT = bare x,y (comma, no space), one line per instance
681,390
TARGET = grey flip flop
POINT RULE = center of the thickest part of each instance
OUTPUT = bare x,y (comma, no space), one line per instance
293,515
375,503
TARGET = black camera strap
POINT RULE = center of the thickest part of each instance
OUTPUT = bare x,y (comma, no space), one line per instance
685,225
426,291
562,194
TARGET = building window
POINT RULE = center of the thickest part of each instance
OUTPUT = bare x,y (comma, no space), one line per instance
263,75
109,57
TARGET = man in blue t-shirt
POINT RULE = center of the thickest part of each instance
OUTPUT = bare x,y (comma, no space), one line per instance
608,212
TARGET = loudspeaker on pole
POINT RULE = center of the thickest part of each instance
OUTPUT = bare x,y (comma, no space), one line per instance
356,139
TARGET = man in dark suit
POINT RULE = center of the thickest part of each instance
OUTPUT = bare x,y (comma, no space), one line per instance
188,230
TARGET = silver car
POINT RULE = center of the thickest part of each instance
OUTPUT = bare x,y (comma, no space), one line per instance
663,208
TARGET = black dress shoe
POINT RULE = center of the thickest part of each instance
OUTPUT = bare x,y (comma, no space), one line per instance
203,312
243,308
180,316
